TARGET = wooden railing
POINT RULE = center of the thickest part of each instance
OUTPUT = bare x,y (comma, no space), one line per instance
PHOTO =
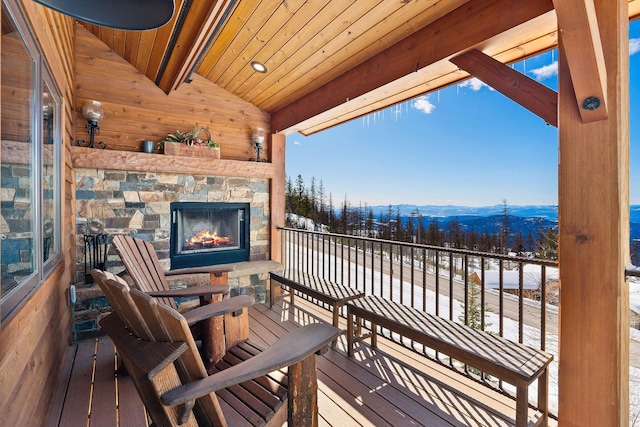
511,296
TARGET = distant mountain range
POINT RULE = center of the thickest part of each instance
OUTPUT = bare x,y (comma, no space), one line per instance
489,218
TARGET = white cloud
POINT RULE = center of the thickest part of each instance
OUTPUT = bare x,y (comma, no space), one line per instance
473,84
296,142
422,104
546,71
634,46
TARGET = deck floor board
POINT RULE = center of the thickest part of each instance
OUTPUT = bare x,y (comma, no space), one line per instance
388,387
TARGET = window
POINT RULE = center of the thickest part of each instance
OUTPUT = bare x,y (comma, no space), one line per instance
30,162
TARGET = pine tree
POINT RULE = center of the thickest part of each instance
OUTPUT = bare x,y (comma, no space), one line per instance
472,315
548,246
433,233
370,223
504,235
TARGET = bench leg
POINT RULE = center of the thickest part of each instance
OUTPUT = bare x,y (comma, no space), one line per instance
374,335
350,332
336,315
272,293
522,404
543,396
336,320
275,292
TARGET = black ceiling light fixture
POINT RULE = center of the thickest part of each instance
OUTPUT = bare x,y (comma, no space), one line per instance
118,14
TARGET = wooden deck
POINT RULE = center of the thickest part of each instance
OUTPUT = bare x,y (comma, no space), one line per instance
389,387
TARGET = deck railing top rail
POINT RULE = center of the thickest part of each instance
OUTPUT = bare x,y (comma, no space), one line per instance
506,257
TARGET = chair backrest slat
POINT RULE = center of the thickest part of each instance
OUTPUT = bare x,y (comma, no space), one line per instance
170,325
117,292
141,261
150,320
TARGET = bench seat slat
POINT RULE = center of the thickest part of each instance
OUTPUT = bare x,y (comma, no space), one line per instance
461,342
510,361
317,287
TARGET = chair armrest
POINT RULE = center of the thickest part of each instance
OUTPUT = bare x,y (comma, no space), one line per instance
192,291
208,311
215,269
288,350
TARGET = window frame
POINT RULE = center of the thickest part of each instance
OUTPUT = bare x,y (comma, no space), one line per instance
11,303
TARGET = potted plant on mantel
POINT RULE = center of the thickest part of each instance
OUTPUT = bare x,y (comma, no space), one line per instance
195,143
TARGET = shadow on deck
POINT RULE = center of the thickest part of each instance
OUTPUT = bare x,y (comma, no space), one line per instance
388,387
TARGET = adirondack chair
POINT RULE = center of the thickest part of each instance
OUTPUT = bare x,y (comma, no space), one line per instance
141,261
250,387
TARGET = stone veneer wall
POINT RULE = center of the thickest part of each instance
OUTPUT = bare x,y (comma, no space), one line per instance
138,203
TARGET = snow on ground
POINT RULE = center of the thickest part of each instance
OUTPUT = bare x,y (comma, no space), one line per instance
531,277
634,295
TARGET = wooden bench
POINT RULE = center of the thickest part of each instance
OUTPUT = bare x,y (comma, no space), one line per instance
331,293
512,362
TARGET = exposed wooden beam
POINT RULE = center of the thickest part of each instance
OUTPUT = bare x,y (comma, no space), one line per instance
593,212
465,27
578,26
199,25
527,92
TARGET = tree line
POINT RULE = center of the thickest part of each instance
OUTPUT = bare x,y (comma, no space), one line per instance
312,202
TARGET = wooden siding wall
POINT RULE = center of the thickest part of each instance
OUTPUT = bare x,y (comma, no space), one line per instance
34,341
136,110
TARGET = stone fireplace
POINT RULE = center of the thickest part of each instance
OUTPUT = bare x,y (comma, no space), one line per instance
140,204
209,233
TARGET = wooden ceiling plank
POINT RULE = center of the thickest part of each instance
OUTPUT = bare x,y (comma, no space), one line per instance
288,62
200,23
145,45
132,43
634,9
516,86
245,32
119,40
323,53
395,21
225,38
436,41
285,21
585,57
106,35
334,53
161,43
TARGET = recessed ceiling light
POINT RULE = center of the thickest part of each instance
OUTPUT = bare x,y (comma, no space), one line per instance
258,66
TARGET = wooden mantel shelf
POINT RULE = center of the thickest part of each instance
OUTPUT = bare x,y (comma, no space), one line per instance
95,158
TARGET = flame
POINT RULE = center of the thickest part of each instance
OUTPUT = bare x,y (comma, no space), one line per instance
207,238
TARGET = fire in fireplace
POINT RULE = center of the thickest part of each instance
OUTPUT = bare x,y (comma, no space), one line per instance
208,233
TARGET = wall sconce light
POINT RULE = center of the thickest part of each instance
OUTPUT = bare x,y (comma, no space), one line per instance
47,114
92,111
258,139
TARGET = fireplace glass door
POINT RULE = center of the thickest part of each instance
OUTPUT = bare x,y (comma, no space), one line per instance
209,233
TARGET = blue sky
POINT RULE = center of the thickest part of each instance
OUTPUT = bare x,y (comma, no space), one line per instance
464,145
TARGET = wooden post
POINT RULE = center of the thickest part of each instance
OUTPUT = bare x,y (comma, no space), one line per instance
214,347
594,238
303,393
277,196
